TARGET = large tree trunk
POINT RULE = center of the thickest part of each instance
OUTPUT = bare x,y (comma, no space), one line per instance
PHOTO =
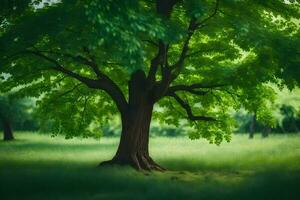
7,131
133,148
134,142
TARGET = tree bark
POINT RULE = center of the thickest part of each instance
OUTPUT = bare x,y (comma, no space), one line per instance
7,131
134,142
133,148
252,126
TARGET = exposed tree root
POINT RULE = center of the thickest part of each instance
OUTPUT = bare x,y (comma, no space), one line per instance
137,161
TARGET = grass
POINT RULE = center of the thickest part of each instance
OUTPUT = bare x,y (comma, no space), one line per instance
40,167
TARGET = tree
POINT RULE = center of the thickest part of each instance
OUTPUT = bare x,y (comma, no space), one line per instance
291,121
168,59
252,126
5,119
265,129
13,113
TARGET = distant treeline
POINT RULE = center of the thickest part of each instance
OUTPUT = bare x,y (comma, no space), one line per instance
18,113
289,122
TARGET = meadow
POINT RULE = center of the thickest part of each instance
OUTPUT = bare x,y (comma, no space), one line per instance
38,166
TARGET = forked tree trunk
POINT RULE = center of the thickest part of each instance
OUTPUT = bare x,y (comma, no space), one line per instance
7,131
133,148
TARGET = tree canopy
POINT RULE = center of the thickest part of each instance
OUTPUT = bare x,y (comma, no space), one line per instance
200,59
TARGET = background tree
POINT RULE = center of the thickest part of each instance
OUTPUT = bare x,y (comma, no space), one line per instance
285,111
15,114
291,121
6,124
169,59
252,126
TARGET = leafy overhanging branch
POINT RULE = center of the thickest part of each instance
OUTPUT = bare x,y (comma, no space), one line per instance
194,88
188,109
103,82
193,26
78,58
170,73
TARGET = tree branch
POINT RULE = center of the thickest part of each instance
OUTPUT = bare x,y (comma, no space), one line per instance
203,51
193,89
164,7
188,109
199,86
187,89
191,29
59,96
202,23
159,59
170,73
193,25
151,42
78,58
103,83
89,82
92,62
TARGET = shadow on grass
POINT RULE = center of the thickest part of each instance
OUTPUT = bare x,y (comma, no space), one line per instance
67,181
43,170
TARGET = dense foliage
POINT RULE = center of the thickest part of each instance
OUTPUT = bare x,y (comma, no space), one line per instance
221,56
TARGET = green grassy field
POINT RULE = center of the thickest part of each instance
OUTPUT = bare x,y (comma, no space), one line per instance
40,167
